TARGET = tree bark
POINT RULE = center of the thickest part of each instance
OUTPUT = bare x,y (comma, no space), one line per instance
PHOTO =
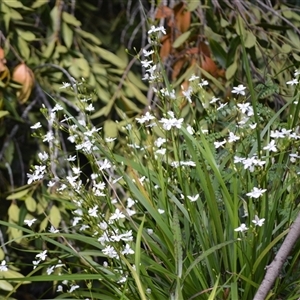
274,268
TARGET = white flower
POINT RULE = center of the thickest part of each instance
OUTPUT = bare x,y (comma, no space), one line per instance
219,144
188,163
43,156
123,279
297,72
238,159
193,77
256,192
147,117
57,107
53,230
258,222
65,85
59,288
149,231
3,266
147,53
190,130
243,107
42,255
203,83
93,212
221,106
29,222
84,227
76,220
146,63
232,137
187,94
214,100
169,123
292,82
239,90
161,151
161,211
154,29
36,125
117,215
48,137
242,228
159,142
271,147
35,263
105,164
73,288
90,107
50,270
110,252
127,250
110,139
193,198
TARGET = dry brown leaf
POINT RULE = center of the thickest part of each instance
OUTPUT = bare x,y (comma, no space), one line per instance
164,12
2,61
177,67
25,77
182,17
166,47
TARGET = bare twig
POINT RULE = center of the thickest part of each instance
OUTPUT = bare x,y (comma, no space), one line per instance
274,268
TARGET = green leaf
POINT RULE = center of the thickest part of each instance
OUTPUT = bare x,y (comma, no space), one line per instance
9,152
110,129
286,48
181,39
70,19
13,4
49,50
18,195
55,216
30,204
110,57
88,36
2,254
15,15
23,48
43,225
39,3
67,35
83,66
55,18
193,5
130,106
137,81
250,40
13,212
294,38
16,234
231,70
5,286
12,275
137,93
26,35
3,113
137,255
218,52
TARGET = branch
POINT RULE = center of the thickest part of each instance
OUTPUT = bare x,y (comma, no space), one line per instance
274,268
